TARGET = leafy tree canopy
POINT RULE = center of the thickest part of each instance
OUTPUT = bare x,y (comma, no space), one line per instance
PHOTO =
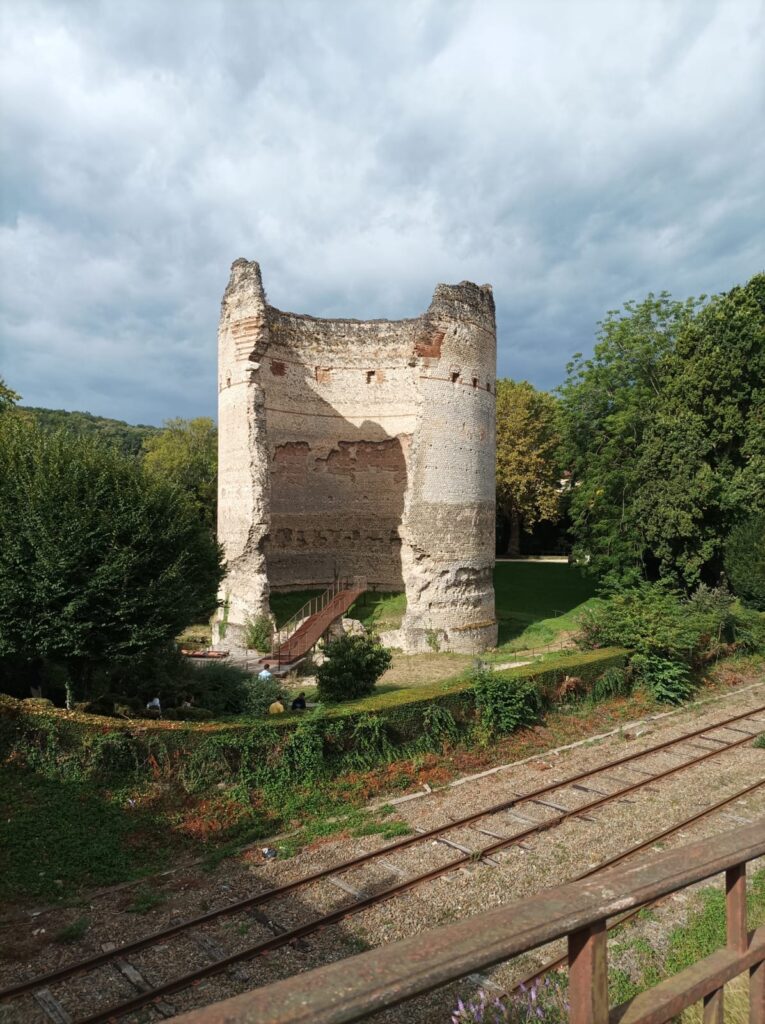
186,452
528,467
100,562
665,435
8,398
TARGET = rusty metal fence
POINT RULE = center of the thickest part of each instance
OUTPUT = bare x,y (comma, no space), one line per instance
353,989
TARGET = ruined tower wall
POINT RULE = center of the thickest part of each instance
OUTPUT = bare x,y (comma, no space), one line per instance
361,448
340,411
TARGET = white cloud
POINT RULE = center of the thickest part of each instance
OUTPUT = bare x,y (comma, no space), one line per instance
574,156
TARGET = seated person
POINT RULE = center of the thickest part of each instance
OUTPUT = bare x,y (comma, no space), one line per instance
265,674
277,708
298,703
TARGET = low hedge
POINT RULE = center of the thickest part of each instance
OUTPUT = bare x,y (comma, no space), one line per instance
284,749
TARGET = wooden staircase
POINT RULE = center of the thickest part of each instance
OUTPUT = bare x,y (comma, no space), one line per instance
296,638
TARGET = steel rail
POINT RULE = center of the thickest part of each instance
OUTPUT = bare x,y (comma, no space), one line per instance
270,894
324,921
563,960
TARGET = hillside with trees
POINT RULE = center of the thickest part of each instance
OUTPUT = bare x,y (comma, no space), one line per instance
128,437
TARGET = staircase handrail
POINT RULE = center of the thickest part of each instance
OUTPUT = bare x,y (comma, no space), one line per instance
313,606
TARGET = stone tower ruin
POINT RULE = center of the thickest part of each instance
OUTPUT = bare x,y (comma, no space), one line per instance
360,448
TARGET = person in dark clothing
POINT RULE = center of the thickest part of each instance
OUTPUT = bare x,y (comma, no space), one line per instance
298,703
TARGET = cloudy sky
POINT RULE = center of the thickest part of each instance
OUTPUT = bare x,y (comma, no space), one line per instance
574,155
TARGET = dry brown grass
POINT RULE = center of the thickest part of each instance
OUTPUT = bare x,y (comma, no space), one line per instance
736,1004
416,669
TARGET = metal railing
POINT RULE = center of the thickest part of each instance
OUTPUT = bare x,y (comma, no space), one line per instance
356,988
312,607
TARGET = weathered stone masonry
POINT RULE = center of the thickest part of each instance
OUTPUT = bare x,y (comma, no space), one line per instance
365,448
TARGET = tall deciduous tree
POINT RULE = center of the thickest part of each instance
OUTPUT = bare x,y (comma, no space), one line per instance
528,469
186,452
100,562
664,435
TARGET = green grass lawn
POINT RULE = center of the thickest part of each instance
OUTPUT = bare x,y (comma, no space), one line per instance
535,602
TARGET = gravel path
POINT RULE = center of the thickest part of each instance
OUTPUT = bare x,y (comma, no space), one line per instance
542,860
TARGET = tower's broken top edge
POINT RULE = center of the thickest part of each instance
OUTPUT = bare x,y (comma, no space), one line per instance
468,291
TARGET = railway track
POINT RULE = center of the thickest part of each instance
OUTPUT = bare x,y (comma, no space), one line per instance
144,993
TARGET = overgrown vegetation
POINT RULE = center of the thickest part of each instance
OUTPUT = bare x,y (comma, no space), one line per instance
672,636
258,633
505,705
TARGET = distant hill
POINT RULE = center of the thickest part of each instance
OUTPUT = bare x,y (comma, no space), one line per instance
127,436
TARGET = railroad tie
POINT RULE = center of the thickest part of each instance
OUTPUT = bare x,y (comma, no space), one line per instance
463,849
522,817
621,782
346,887
589,789
392,867
738,818
140,983
562,810
274,927
216,952
746,732
51,1007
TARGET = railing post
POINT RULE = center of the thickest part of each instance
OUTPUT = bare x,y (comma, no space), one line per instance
735,899
757,993
714,1007
588,975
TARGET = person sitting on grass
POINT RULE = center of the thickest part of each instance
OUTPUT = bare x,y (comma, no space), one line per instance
277,708
298,703
265,673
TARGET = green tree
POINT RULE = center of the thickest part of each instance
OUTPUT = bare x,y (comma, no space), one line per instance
608,403
745,561
528,468
702,463
186,452
100,562
8,398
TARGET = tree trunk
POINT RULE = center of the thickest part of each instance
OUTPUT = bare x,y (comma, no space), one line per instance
514,545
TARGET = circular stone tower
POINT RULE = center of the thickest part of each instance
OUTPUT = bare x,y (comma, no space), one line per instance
360,448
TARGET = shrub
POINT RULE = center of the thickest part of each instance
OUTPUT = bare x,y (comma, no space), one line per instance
505,704
260,695
669,681
614,682
258,633
745,561
353,666
663,627
749,631
219,687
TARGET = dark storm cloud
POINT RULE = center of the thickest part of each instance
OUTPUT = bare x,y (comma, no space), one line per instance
574,156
